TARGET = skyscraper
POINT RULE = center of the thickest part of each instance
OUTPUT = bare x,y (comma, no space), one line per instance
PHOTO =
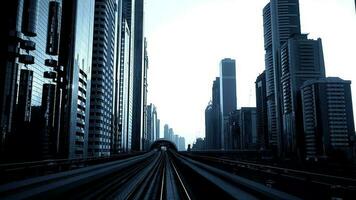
151,126
144,95
301,60
217,137
281,21
209,126
75,55
270,88
328,119
166,131
261,112
137,50
227,96
285,23
181,146
102,85
123,92
158,131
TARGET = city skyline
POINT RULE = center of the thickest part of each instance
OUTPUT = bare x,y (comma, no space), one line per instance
245,46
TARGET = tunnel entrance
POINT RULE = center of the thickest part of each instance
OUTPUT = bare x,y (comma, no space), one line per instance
163,143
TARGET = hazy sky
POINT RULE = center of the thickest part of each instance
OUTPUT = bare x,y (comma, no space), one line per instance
188,38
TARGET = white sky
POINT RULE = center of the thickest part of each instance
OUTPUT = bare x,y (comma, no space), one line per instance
188,38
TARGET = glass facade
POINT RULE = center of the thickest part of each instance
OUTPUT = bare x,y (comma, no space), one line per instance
76,58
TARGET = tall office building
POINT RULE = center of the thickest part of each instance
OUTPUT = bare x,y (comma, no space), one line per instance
281,21
328,119
171,134
137,50
181,146
166,132
144,92
25,51
176,140
75,55
261,112
151,126
123,92
227,96
285,23
102,77
301,60
209,126
158,129
217,137
270,88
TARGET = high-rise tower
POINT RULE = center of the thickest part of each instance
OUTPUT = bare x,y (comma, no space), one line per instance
102,85
75,55
137,50
227,96
301,60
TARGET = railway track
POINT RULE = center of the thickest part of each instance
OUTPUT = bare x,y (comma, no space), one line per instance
303,183
158,174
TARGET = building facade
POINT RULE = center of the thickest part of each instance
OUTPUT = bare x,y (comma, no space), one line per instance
301,60
270,86
75,55
102,85
248,129
209,126
328,119
227,96
137,51
261,112
152,126
30,37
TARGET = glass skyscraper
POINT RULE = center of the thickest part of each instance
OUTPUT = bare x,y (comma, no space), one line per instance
76,58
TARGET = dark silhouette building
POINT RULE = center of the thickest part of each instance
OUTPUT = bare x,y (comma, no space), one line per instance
102,79
209,126
235,129
29,43
248,128
301,60
261,112
227,97
328,119
137,45
281,21
217,138
270,86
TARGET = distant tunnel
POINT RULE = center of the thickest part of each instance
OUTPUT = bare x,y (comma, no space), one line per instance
158,144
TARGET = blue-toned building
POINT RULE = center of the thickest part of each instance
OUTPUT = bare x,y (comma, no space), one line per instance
227,98
75,55
102,77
